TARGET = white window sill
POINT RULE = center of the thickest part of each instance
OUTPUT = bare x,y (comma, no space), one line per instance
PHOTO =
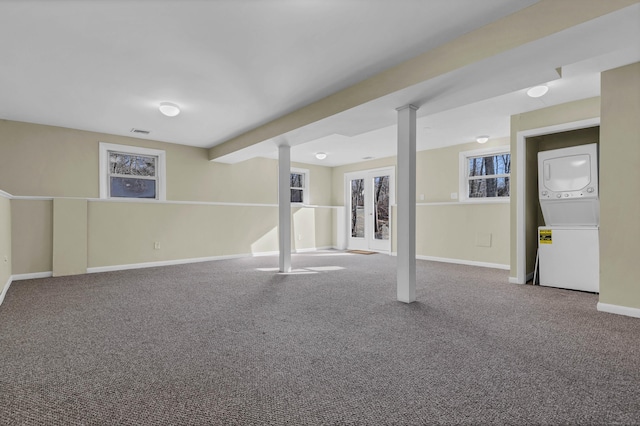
501,200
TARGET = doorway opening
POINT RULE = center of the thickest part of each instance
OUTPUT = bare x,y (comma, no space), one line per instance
369,196
528,214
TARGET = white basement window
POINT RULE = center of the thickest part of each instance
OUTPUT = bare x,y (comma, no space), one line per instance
485,174
299,186
132,172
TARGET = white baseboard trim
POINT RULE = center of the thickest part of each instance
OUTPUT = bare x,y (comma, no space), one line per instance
308,250
111,268
32,276
619,310
461,262
5,289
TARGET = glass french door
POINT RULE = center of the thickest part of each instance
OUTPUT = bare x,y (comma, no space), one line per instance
369,199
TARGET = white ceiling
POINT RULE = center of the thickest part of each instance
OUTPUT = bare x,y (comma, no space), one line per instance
232,65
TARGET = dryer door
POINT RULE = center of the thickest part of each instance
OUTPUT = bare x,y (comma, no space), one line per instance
570,173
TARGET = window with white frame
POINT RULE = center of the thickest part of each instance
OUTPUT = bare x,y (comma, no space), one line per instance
485,174
132,172
299,186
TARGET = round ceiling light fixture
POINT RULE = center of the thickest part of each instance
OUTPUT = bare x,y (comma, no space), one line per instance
321,155
537,91
169,109
482,139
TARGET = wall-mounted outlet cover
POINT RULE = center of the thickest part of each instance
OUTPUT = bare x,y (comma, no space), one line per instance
156,245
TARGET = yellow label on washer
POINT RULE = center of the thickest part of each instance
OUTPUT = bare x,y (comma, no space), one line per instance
545,236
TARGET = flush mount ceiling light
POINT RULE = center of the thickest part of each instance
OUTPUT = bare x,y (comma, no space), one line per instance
321,155
537,91
482,139
169,109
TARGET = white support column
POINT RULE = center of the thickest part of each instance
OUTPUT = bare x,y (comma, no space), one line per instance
406,202
284,207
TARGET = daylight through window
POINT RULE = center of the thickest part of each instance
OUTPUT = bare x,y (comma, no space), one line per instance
131,172
486,175
299,184
132,176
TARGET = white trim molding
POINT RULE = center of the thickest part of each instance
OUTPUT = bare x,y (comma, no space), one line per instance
32,276
19,277
5,289
462,262
5,194
619,310
111,268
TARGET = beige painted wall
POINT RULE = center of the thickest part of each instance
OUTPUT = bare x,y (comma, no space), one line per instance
437,170
37,160
31,236
69,237
620,187
458,231
471,232
337,176
320,183
121,233
555,115
5,242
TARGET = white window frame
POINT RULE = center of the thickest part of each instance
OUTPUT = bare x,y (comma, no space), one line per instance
463,187
305,187
105,148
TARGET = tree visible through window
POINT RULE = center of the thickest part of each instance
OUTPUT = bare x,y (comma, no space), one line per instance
132,172
299,186
488,176
132,176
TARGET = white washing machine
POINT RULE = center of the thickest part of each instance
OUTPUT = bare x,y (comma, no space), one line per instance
569,257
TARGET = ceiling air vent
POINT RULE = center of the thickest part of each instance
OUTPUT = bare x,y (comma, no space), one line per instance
140,131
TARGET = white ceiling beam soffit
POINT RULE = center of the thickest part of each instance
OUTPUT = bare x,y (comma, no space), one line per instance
491,44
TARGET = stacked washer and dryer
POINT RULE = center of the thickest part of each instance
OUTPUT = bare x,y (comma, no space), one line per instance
568,244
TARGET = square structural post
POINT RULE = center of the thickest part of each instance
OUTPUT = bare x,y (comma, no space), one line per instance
406,202
284,207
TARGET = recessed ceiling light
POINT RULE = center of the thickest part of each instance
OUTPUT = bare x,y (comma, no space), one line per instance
169,109
537,91
321,155
482,139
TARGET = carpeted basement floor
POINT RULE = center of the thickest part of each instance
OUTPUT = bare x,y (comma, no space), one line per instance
233,343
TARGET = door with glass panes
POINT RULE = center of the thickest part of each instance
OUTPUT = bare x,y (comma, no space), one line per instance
369,196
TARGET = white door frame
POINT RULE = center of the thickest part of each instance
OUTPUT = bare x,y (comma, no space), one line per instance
368,174
521,152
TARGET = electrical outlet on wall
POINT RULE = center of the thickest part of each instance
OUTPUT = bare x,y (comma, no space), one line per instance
156,245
